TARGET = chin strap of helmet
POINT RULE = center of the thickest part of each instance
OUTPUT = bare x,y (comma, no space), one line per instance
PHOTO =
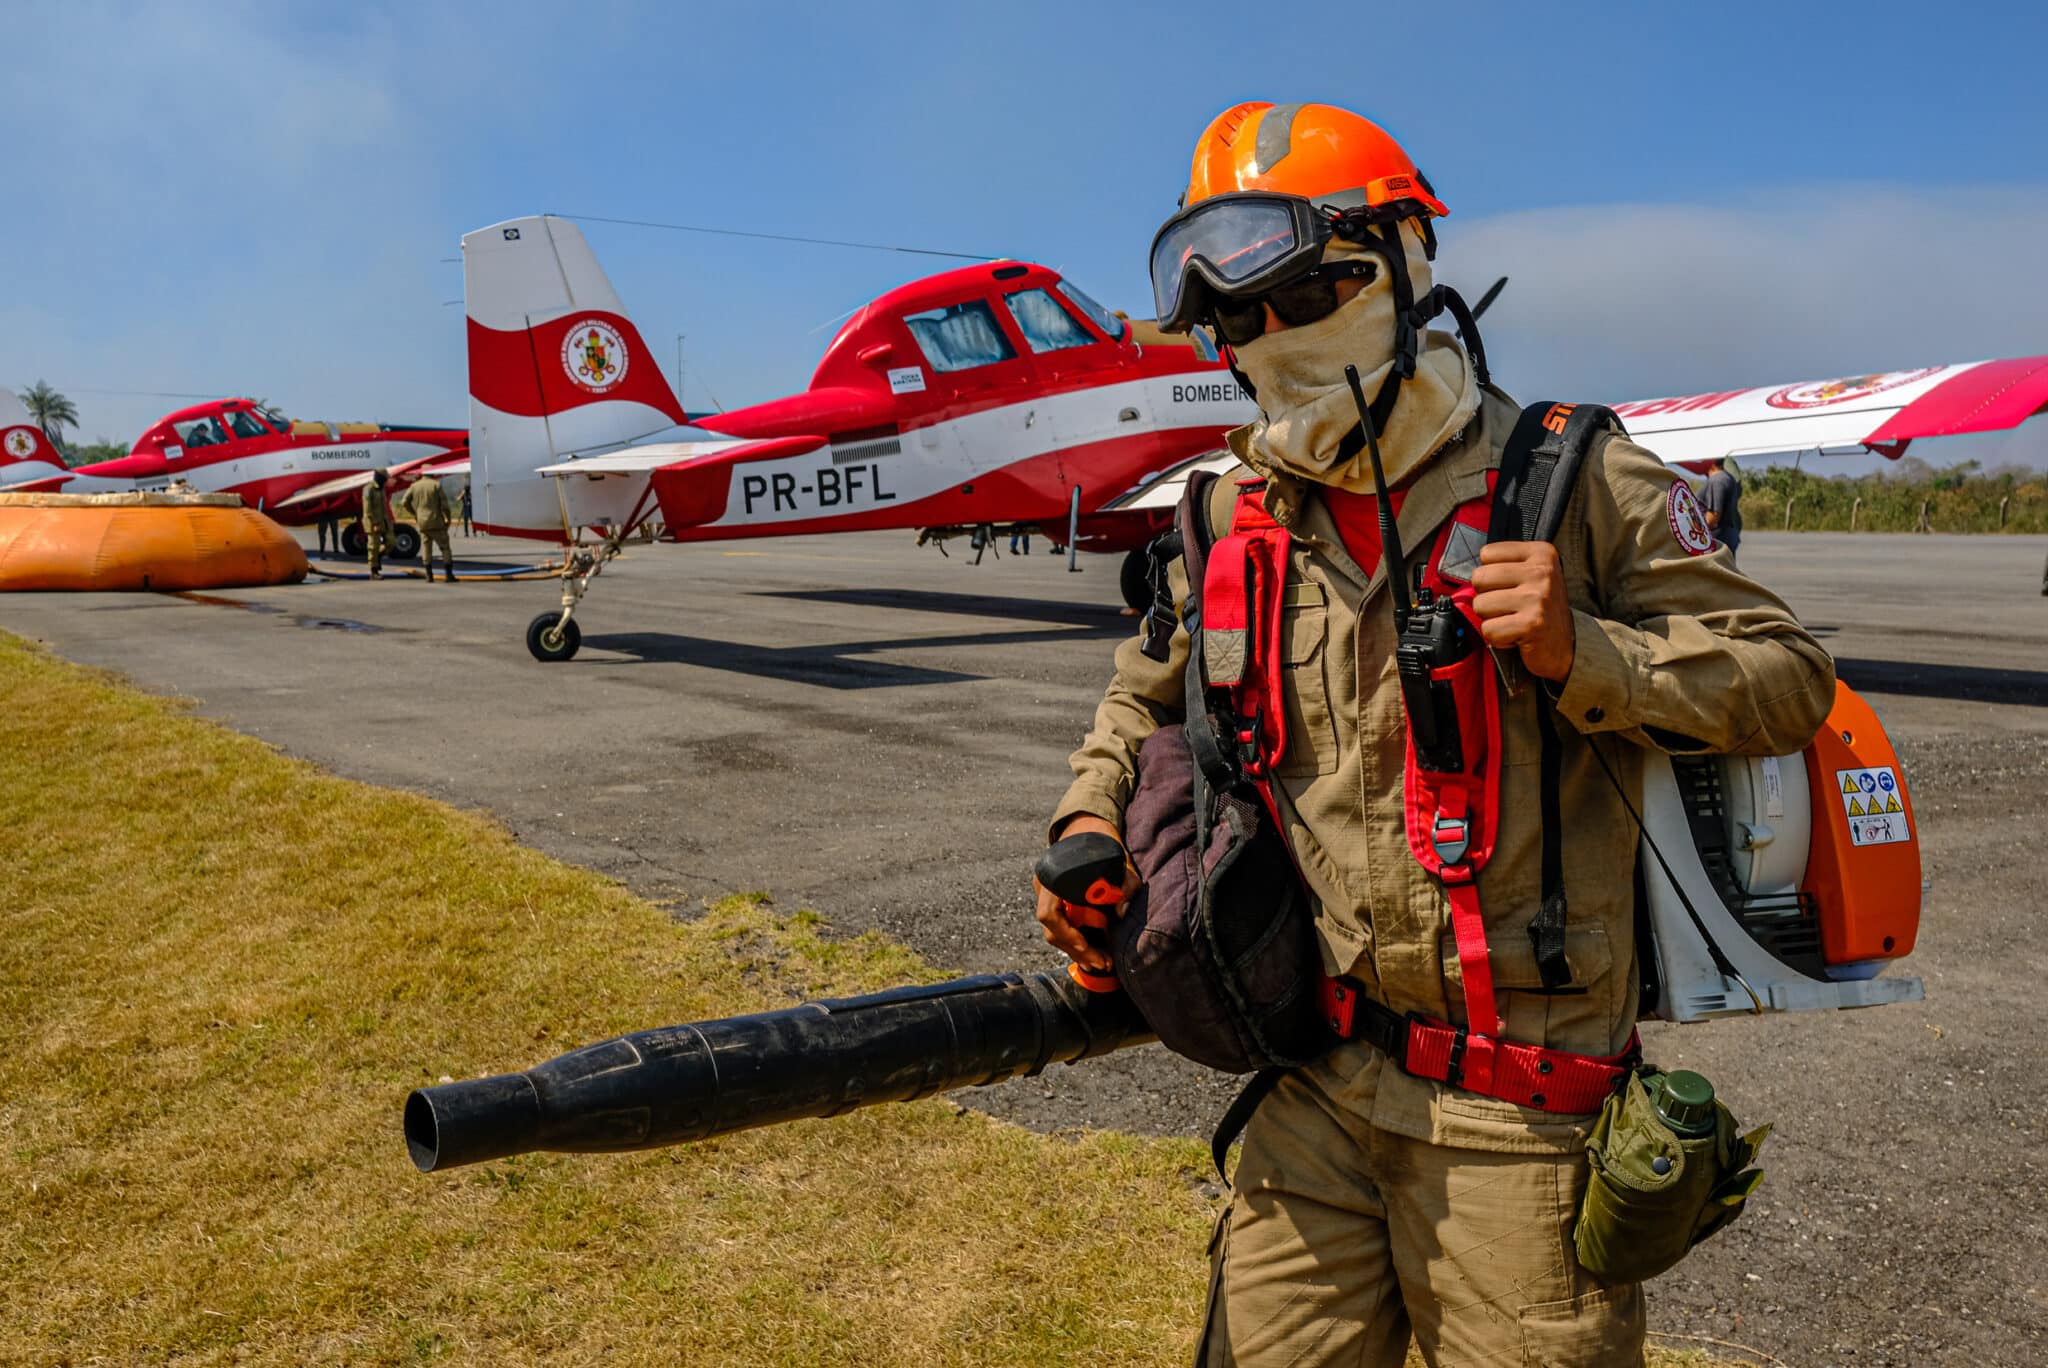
1229,355
1411,318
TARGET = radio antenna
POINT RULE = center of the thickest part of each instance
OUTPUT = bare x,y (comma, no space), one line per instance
1390,536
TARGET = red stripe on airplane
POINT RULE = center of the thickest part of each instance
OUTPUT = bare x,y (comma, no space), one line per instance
1985,398
524,373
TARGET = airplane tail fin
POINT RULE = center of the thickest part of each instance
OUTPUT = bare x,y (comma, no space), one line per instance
556,368
26,453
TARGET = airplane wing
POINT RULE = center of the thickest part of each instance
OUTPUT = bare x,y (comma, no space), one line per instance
445,463
691,482
49,484
1163,490
1881,412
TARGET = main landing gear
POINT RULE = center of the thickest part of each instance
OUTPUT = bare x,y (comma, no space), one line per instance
405,541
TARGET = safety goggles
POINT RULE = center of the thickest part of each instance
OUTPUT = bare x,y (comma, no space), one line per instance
1241,244
1310,299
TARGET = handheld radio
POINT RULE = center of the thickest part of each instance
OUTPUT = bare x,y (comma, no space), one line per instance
1432,635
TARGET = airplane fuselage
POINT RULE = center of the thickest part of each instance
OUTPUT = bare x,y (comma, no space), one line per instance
244,450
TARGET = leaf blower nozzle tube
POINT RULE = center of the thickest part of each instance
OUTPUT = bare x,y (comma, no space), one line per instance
683,1083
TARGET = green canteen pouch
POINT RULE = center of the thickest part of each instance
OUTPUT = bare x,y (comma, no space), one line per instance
1635,1221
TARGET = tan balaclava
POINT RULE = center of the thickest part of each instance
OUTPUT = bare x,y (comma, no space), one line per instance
1306,405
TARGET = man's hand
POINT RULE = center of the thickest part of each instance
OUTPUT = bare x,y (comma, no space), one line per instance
1062,934
1521,602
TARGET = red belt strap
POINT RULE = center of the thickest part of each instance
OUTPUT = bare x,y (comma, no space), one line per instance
1508,1070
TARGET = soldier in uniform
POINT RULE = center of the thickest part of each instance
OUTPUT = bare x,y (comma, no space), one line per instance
376,522
427,504
1371,1205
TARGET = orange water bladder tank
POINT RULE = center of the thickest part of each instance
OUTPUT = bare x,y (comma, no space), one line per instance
141,541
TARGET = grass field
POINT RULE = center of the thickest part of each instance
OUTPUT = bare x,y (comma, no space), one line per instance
222,969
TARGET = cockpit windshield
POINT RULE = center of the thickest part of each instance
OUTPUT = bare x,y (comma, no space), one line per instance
1045,323
960,337
245,424
275,419
1099,316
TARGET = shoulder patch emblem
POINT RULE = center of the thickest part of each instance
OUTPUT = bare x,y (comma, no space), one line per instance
1688,524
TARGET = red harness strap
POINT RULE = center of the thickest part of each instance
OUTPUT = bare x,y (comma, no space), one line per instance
1509,1070
1450,817
1243,590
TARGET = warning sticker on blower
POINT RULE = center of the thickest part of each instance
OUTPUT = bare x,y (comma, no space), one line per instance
1871,798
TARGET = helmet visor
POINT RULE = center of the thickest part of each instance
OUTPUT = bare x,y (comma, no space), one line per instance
1231,244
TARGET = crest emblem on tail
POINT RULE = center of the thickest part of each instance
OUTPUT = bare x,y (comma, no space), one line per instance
594,355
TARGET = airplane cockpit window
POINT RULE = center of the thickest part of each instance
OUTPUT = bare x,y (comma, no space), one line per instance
1101,317
960,337
245,425
1046,325
200,432
276,420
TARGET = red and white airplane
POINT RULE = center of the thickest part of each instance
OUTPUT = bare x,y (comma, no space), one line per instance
992,394
1881,412
297,472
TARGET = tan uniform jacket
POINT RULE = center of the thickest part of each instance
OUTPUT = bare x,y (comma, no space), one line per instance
1674,652
427,504
376,508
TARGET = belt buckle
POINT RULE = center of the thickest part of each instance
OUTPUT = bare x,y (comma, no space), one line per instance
1338,996
1450,837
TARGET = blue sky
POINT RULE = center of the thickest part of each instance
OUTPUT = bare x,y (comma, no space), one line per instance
260,198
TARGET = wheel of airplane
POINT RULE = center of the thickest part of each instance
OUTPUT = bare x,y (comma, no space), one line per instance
354,544
548,644
405,541
1135,579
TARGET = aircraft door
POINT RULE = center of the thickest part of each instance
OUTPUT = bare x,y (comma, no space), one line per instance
1095,414
963,405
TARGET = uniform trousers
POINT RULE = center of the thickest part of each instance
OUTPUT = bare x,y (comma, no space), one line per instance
1344,1239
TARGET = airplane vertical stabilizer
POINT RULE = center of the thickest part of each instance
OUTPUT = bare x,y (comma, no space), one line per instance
26,453
556,368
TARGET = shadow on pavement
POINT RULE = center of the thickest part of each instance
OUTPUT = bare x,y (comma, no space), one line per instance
1094,620
1971,683
832,665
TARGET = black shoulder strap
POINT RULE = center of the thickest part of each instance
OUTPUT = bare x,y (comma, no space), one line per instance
1539,466
1538,469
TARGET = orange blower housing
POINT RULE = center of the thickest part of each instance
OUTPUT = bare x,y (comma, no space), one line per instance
1863,871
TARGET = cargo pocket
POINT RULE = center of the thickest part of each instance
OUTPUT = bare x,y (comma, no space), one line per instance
1212,1350
1602,1329
1311,732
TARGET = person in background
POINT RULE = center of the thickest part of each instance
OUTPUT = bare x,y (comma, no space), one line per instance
1020,532
376,522
1721,498
426,503
468,529
329,533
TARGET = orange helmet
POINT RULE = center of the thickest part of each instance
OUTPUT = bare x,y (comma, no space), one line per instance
1316,151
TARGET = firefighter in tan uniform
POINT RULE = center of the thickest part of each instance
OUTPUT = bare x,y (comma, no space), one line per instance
376,522
426,503
1371,1205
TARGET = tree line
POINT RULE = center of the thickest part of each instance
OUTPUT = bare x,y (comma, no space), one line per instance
1913,497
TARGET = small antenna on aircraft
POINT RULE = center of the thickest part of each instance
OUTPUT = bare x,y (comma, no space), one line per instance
1488,298
777,237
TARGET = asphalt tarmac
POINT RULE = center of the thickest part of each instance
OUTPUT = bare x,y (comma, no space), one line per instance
878,732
